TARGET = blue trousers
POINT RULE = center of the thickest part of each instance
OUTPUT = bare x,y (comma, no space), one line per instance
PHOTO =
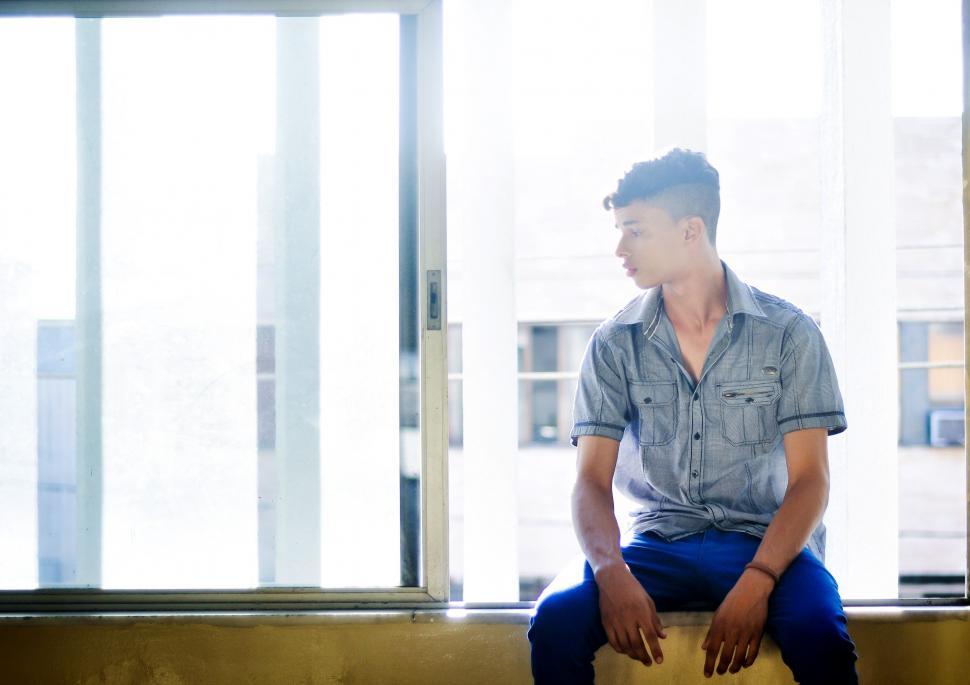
805,615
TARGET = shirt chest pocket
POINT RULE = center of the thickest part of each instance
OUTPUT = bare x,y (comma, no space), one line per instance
748,411
656,404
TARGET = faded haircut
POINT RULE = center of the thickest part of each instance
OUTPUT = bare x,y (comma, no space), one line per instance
681,181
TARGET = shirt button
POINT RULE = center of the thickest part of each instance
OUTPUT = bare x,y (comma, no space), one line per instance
696,397
697,436
694,474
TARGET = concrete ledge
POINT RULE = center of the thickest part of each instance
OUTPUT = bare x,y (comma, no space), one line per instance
466,646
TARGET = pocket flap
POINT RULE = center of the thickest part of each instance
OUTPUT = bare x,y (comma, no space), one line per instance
651,393
746,393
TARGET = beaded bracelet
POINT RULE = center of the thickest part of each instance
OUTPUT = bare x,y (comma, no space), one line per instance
763,568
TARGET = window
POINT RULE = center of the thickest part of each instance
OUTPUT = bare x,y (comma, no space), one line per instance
215,248
197,205
811,133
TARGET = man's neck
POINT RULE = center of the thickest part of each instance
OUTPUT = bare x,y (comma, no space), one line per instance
698,300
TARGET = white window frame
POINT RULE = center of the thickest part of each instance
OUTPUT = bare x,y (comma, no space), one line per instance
965,116
433,590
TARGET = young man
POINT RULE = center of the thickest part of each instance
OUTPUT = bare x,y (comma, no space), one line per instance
708,402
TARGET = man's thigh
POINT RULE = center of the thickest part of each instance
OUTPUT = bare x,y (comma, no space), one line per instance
805,614
805,580
666,570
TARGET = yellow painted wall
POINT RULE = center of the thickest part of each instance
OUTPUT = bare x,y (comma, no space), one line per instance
310,650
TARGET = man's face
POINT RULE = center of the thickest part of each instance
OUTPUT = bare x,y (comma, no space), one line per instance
650,242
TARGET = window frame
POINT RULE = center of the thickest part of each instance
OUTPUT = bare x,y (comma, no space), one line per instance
428,189
965,153
434,420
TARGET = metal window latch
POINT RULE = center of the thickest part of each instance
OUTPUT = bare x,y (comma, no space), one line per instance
434,300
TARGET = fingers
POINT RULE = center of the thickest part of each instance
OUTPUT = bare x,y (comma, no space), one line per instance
639,648
637,642
630,643
738,661
727,654
753,648
639,645
650,642
623,639
712,645
735,654
614,641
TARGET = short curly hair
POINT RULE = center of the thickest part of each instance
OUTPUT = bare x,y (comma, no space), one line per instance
681,181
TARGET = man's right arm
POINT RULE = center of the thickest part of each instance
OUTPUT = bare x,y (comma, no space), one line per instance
625,607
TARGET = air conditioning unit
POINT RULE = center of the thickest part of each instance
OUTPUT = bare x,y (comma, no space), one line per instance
947,427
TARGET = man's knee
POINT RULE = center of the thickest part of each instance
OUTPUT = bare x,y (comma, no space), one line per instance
816,645
564,614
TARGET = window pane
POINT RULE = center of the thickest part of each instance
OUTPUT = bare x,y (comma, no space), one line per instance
185,119
572,134
255,392
361,366
37,285
578,110
926,82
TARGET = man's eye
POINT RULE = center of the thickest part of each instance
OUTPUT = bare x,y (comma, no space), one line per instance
635,234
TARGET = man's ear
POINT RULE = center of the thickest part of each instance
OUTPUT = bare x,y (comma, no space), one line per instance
694,225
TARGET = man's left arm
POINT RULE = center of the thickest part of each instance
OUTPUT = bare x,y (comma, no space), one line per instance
739,620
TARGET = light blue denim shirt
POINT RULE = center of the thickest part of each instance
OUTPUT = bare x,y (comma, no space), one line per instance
711,454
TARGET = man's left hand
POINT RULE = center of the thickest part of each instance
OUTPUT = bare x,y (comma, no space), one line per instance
739,624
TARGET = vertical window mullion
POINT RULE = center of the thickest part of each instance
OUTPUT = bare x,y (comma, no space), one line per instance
433,351
88,335
966,260
298,524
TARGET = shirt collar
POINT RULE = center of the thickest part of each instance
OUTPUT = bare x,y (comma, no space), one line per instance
646,307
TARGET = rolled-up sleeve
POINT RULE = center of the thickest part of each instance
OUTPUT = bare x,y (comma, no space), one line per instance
601,405
810,396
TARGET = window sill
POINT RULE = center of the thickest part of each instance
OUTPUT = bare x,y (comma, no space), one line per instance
454,615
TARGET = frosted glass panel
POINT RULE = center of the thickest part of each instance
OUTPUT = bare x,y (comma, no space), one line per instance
763,59
359,322
36,259
184,117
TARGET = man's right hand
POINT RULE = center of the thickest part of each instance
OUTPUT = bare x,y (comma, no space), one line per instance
627,610
625,607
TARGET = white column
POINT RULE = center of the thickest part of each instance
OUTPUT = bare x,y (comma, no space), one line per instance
490,391
858,316
680,74
297,278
